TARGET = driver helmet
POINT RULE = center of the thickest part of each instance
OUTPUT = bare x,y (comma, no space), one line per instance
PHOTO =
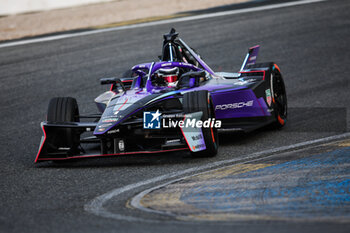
169,75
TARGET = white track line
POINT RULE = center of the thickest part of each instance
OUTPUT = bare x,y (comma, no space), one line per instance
176,20
96,206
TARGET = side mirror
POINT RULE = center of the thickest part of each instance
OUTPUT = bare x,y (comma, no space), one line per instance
105,81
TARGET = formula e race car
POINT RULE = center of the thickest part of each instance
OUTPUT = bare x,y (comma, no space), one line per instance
177,103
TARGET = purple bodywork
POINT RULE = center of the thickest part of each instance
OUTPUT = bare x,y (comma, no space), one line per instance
232,98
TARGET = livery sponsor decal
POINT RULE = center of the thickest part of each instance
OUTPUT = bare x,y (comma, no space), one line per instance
234,105
194,135
172,141
113,131
268,97
243,81
166,64
198,147
109,119
104,125
197,137
252,58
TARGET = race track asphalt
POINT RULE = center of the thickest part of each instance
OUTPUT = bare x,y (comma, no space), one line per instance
308,42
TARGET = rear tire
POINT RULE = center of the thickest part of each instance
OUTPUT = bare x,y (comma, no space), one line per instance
279,97
63,110
201,101
278,93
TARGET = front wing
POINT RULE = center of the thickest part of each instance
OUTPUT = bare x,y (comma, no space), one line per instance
108,145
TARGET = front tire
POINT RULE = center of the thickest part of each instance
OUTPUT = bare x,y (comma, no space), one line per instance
63,110
201,101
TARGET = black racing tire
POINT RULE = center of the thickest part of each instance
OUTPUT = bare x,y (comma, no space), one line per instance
201,101
278,93
279,97
63,110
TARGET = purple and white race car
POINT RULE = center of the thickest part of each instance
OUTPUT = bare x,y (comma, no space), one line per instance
177,103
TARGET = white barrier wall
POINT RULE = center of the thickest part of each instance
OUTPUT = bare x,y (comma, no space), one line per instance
9,7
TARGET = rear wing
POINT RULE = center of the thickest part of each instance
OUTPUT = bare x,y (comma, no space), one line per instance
251,57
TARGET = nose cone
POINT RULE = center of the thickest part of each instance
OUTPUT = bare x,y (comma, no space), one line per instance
120,109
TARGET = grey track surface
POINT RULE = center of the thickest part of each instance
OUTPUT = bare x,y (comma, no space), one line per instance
309,43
